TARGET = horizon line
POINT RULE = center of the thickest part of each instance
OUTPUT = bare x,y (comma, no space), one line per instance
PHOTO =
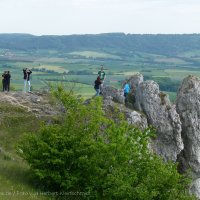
103,33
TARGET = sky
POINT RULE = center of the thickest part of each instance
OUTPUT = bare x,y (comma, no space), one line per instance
66,17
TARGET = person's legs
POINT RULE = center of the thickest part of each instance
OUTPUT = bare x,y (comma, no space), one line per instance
125,95
3,85
29,86
8,86
97,92
101,87
25,85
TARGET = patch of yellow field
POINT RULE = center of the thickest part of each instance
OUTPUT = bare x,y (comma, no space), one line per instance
55,68
51,60
170,60
94,54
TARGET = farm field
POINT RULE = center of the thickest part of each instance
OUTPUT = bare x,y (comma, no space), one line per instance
81,67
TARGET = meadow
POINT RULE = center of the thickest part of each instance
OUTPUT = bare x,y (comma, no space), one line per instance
81,67
14,172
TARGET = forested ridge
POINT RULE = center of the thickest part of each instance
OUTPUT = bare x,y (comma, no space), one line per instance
164,44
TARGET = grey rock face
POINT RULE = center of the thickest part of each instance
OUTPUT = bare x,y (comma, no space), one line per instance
161,115
36,103
195,188
135,80
188,107
117,95
146,98
131,116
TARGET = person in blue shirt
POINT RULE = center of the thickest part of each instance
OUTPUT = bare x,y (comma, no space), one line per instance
126,90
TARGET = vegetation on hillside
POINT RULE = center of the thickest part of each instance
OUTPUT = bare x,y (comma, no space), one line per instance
91,156
14,172
162,44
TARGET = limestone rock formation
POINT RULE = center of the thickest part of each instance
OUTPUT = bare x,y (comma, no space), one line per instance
188,107
135,80
131,116
161,115
117,95
156,106
38,103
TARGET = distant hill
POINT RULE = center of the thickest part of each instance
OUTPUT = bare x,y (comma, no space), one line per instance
164,44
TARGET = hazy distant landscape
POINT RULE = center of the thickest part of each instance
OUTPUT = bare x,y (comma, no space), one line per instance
167,59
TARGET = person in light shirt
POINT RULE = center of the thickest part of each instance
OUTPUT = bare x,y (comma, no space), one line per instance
27,72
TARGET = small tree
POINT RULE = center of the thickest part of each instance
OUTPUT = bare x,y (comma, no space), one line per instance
106,160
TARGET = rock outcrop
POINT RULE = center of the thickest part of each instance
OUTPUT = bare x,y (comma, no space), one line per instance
38,103
188,107
117,95
146,98
177,126
131,116
161,115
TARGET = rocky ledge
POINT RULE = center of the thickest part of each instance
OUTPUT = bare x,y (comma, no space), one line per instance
38,103
177,125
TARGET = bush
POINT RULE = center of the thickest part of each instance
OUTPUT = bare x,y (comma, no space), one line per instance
99,158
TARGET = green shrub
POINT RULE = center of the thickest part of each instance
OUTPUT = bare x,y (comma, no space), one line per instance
91,154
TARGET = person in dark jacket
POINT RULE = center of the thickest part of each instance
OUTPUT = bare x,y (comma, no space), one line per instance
97,84
4,81
102,76
7,81
27,72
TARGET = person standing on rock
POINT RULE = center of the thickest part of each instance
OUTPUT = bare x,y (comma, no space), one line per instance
27,72
7,81
4,81
97,84
126,90
102,76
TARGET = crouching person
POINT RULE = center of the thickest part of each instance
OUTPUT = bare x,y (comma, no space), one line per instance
97,84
